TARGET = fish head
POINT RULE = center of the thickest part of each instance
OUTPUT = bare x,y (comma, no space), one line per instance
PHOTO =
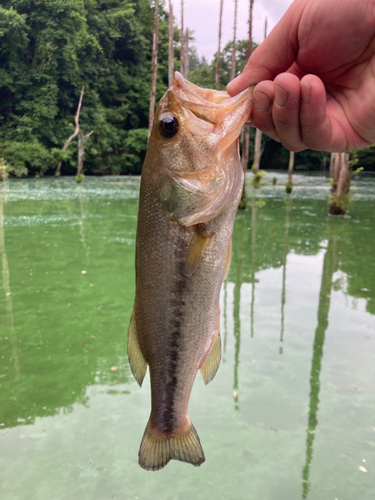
194,142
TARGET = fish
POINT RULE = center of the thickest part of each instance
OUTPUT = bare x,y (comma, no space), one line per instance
191,184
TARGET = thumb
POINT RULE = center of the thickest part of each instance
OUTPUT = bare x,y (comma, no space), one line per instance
275,55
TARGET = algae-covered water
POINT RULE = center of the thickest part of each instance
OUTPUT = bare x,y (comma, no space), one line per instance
291,412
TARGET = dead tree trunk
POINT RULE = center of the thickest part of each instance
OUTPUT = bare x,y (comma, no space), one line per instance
3,172
171,50
258,134
186,58
233,67
339,198
182,45
154,69
257,151
289,184
219,48
249,48
245,134
81,141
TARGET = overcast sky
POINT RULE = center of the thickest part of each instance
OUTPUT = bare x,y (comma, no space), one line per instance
202,16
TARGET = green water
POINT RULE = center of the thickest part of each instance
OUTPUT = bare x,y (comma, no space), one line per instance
291,412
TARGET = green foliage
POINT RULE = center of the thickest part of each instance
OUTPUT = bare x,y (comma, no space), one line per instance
363,157
80,177
357,171
257,178
274,181
7,170
49,49
288,187
338,205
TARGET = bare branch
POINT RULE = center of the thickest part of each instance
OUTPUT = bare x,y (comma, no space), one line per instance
76,132
79,108
87,136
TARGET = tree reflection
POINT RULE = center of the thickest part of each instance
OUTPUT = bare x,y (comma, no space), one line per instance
288,206
254,210
330,266
8,295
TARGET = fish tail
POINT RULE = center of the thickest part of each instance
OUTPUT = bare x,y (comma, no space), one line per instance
157,450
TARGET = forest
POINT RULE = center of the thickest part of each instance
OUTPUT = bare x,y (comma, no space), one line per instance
52,49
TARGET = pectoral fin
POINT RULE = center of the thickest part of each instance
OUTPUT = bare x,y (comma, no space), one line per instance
137,362
196,248
212,362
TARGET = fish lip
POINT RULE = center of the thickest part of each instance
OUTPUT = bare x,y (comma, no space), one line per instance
188,88
206,109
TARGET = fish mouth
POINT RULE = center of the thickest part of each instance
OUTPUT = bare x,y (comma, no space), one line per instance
212,106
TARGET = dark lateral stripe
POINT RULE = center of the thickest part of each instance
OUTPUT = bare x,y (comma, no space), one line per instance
175,334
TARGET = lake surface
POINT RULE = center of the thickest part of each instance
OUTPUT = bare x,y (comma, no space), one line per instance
291,412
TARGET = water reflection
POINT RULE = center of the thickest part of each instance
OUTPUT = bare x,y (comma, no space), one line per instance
330,266
288,206
295,235
65,336
8,295
64,320
254,210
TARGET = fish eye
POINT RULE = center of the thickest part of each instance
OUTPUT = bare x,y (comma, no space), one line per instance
168,125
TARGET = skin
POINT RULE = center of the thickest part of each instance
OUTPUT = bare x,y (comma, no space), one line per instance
314,77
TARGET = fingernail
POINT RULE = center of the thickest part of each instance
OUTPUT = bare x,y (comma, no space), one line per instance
262,102
305,93
281,96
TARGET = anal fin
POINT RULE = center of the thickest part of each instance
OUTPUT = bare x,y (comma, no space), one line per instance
138,364
212,362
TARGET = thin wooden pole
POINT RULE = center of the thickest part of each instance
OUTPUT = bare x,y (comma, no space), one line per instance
182,49
233,67
171,48
219,48
154,69
186,73
250,39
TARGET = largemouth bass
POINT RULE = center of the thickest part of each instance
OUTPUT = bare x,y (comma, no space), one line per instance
190,189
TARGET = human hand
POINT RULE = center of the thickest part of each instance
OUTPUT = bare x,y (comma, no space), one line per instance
315,76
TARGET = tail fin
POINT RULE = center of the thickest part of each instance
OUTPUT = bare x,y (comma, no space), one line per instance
156,451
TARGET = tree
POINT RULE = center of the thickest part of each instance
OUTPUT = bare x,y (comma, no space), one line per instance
48,51
219,47
245,133
154,68
233,65
339,197
258,133
182,44
81,144
289,184
186,58
170,45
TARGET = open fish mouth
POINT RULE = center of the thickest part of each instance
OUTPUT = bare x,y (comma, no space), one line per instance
213,106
